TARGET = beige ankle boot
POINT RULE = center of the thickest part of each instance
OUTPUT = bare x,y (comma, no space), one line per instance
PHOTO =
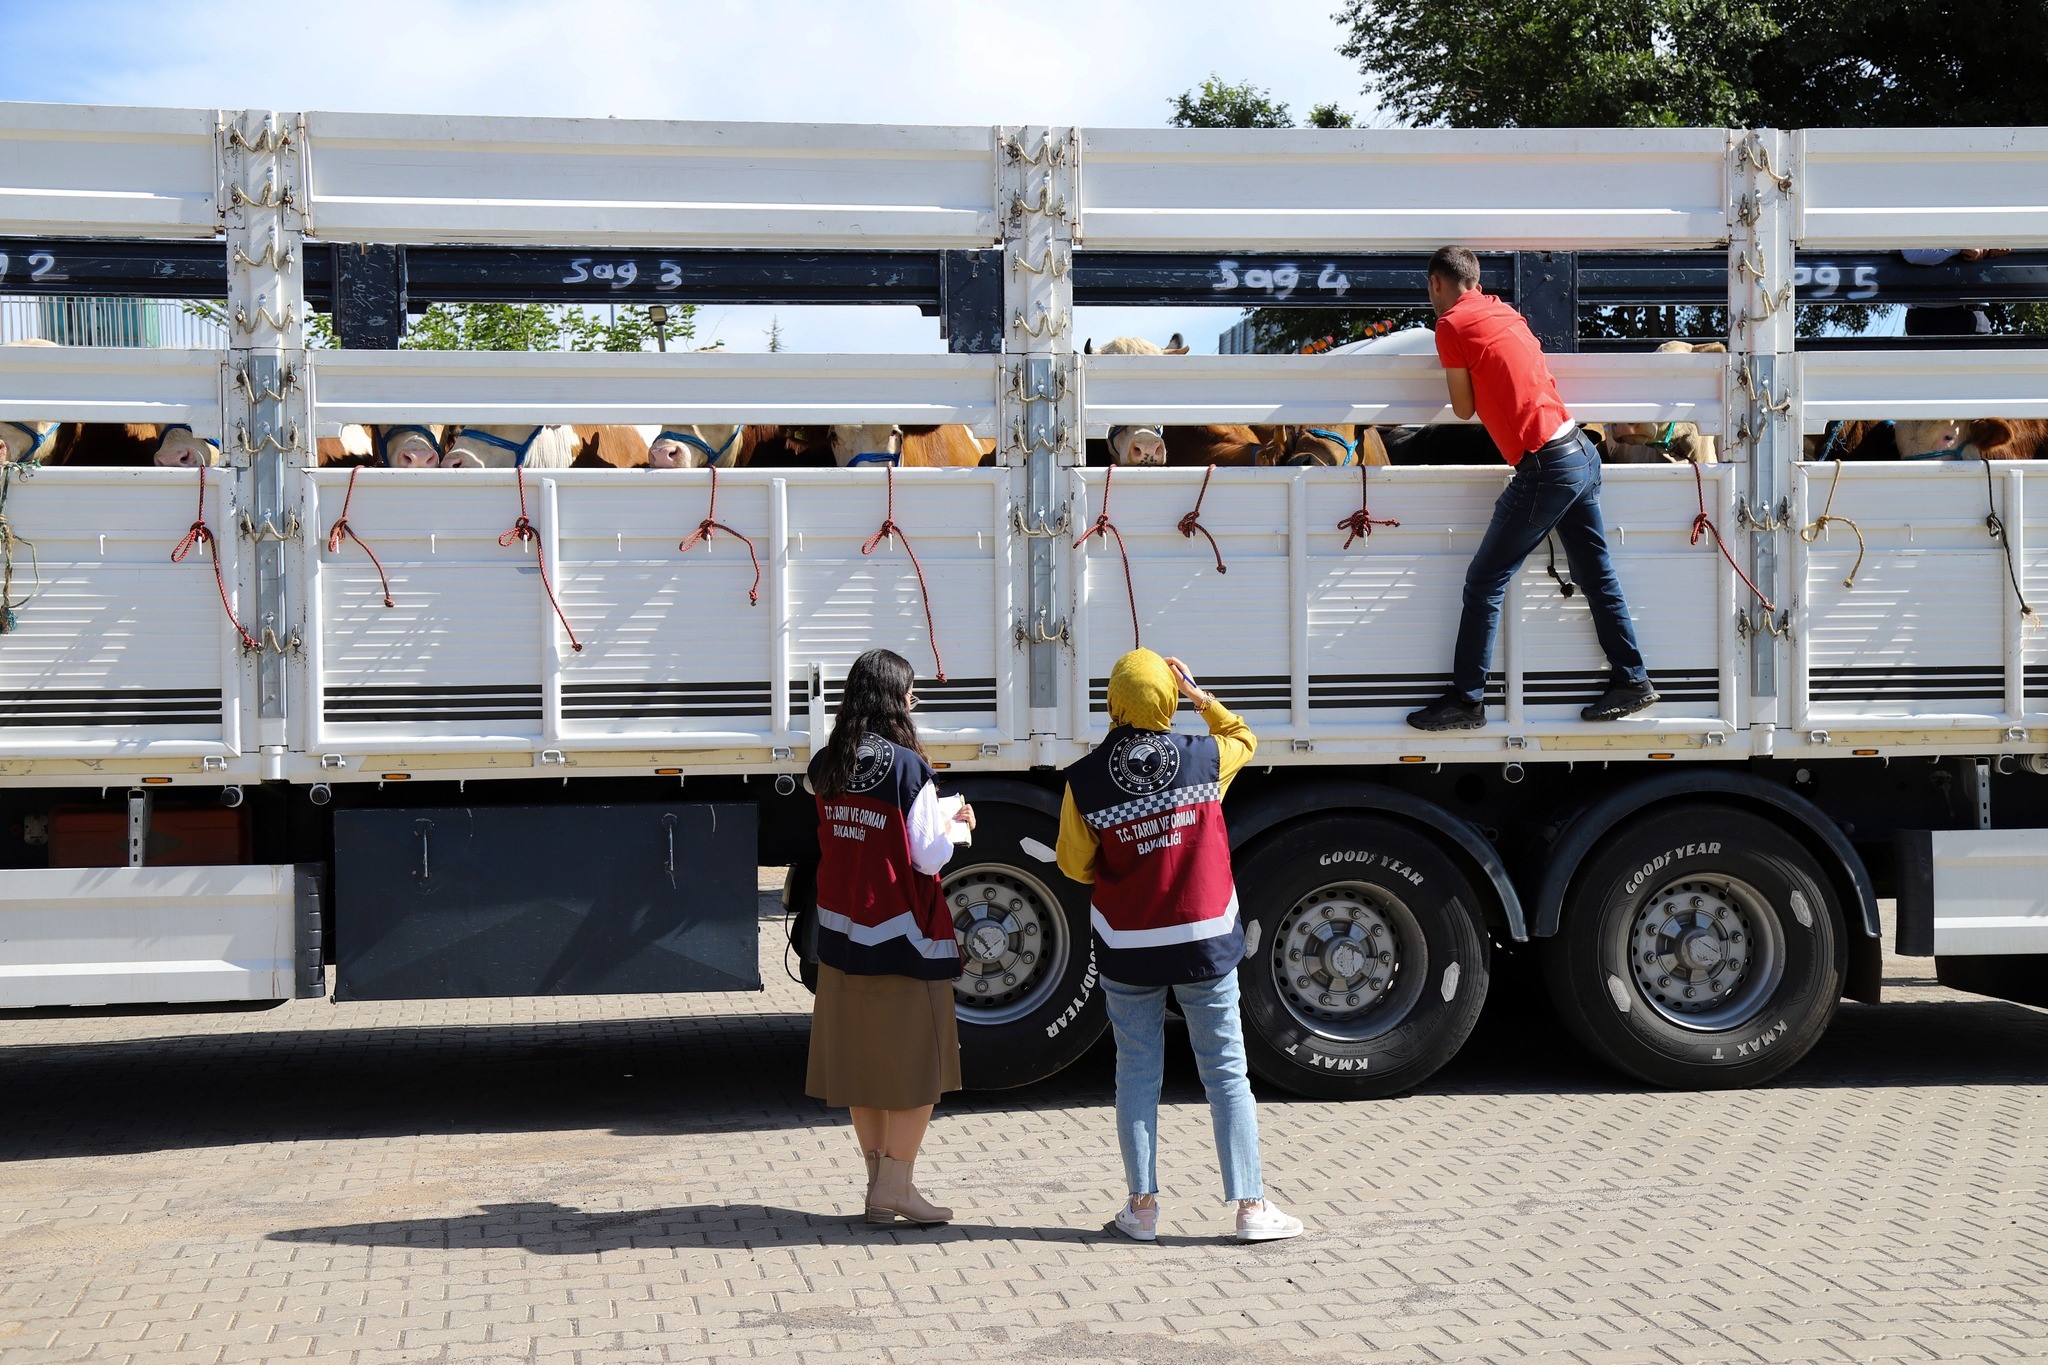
895,1197
874,1161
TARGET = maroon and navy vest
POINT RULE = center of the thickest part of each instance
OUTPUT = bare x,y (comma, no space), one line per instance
1165,908
878,915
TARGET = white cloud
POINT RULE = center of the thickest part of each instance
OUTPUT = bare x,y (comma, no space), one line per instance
1100,62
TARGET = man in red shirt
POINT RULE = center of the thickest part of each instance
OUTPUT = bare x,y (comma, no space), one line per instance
1495,368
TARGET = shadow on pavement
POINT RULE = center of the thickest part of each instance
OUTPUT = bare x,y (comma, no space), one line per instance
699,1074
557,1230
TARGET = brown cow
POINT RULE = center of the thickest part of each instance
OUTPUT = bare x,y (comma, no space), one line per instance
1994,438
1337,444
611,447
908,447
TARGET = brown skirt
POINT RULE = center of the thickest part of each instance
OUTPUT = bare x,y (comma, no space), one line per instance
882,1042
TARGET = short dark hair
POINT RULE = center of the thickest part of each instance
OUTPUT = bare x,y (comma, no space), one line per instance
1456,264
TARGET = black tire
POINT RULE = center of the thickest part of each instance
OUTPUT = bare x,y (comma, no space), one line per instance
1381,882
1016,1031
1758,937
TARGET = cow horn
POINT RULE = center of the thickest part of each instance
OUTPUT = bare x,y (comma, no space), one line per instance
1088,346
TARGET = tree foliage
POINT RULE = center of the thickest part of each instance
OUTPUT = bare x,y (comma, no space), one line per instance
538,327
1713,63
1670,63
1219,105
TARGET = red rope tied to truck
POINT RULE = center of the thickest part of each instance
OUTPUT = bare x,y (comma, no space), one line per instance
202,534
1704,525
523,531
1360,523
1105,527
1192,522
341,531
711,524
889,529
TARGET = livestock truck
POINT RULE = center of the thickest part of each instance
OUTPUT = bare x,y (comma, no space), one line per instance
452,733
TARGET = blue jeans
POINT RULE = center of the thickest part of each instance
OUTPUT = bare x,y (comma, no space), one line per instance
1557,489
1138,1016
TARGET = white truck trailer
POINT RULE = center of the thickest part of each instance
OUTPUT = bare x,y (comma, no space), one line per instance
499,735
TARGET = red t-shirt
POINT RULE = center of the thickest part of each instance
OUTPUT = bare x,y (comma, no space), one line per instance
1511,386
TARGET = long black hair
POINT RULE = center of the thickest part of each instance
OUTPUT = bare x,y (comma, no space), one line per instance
877,702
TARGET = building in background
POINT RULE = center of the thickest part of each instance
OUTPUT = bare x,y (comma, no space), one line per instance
107,322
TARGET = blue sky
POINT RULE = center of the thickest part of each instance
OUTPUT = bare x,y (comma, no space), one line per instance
1105,62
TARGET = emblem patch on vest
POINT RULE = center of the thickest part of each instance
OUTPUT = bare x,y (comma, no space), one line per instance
1143,763
872,762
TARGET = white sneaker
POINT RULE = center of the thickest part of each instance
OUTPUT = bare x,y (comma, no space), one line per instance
1140,1225
1265,1222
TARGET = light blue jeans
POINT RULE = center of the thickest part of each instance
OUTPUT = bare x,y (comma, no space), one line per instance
1138,1016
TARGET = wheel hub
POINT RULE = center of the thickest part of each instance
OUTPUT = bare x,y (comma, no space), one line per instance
1012,942
1337,955
1694,949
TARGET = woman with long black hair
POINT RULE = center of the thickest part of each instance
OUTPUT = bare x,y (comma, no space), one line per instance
884,1042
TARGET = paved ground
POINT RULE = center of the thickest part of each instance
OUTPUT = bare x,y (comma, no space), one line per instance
641,1179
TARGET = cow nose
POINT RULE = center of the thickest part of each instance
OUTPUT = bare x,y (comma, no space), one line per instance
175,459
664,456
1148,450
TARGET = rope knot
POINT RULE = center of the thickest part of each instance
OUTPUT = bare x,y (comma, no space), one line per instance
711,524
888,529
199,533
341,531
523,531
1358,526
1105,527
1192,522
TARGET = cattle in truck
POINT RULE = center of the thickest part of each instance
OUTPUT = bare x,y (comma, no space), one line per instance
511,447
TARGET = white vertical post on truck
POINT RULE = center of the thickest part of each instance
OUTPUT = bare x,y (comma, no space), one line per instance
1763,400
1037,183
267,420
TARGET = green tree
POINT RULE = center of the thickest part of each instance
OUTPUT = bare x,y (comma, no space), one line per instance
1217,105
774,334
539,327
1716,63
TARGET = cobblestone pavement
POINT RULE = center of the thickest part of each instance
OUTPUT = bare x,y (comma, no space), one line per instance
642,1179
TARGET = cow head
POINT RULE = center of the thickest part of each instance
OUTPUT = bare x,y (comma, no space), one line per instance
865,445
21,442
1315,446
508,447
1940,440
693,447
409,447
181,449
1138,445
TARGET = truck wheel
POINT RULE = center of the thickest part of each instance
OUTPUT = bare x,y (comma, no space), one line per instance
1365,958
1027,996
1702,948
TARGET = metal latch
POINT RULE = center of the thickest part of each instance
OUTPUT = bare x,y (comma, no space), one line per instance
549,757
1301,746
333,761
213,763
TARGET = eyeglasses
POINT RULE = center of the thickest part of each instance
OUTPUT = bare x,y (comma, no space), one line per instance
910,702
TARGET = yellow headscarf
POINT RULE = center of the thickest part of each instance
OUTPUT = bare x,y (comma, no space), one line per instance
1142,692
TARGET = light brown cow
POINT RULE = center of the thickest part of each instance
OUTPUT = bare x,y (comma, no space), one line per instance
508,447
1663,442
909,447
